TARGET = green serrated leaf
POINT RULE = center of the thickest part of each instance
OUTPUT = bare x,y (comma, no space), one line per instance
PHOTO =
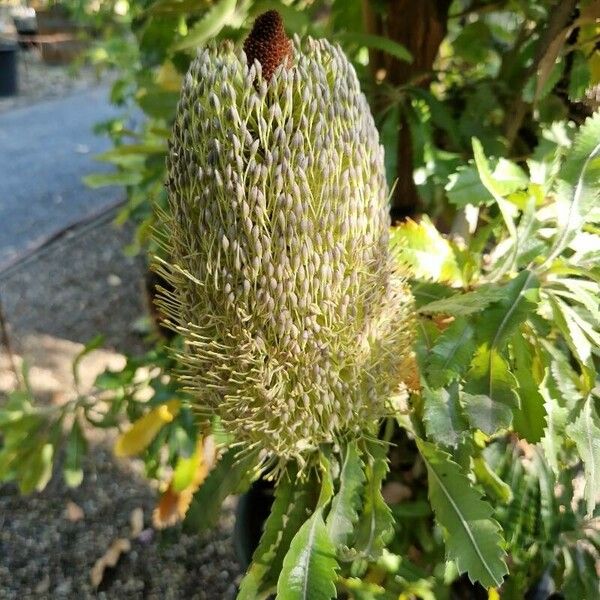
490,390
585,432
473,538
209,25
465,304
443,416
343,514
376,522
499,321
451,353
556,419
309,568
293,504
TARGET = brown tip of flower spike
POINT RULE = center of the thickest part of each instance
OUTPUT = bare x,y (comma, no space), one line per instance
268,43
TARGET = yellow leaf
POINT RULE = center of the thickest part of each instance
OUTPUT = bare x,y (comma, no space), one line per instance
144,430
493,594
425,251
169,78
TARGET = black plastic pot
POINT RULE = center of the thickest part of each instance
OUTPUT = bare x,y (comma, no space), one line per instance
252,511
8,68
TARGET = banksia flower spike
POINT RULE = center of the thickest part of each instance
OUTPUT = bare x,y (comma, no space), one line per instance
295,318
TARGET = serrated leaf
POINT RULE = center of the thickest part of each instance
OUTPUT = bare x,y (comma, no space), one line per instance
497,323
443,416
376,522
464,187
465,304
556,419
576,339
232,474
291,507
425,251
310,565
76,448
209,25
309,568
343,514
490,390
486,414
473,538
585,432
575,195
451,353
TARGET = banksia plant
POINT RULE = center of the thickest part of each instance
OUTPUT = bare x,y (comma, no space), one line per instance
296,319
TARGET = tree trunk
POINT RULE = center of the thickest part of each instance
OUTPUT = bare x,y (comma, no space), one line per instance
420,26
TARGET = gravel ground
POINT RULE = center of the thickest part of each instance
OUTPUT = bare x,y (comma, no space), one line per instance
54,302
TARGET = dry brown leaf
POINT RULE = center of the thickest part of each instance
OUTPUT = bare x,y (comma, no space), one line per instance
109,559
136,522
412,377
173,505
73,512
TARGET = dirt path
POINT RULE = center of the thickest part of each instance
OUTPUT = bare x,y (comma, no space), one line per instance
54,303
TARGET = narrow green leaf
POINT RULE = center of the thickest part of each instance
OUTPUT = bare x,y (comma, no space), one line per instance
209,25
473,538
451,353
343,514
378,42
76,449
492,484
36,468
585,432
528,420
98,180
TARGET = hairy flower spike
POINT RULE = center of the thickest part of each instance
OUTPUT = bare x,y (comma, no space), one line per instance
268,43
297,324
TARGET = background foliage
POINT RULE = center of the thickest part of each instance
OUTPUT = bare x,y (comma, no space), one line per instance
494,466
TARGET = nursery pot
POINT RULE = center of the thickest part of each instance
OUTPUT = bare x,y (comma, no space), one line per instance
8,68
251,513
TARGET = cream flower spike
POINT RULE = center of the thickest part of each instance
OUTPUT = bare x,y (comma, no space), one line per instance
296,319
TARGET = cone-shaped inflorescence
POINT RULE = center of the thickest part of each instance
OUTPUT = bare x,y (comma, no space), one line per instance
295,319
